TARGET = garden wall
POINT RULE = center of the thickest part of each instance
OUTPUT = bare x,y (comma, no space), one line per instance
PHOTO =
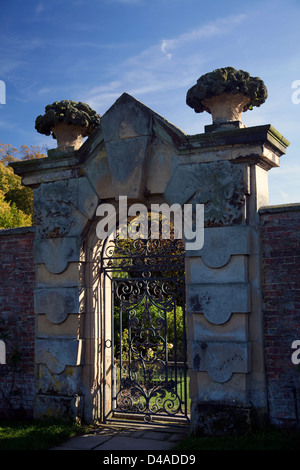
17,326
280,236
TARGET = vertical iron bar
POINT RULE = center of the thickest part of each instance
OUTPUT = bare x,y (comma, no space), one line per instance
112,353
103,348
121,341
175,346
129,343
166,348
184,346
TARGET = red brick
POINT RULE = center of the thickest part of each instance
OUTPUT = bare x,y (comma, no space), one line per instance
281,302
17,318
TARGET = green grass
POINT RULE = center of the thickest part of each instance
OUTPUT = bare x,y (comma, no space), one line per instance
270,439
35,435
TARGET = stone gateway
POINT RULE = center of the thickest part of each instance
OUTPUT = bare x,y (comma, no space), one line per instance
134,152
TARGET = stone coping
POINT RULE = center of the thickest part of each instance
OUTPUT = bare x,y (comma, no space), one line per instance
280,208
16,231
261,135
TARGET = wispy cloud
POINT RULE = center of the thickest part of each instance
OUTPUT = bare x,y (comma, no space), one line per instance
214,28
170,64
102,96
4,124
40,8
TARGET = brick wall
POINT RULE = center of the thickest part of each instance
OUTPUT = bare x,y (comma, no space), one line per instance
17,326
280,236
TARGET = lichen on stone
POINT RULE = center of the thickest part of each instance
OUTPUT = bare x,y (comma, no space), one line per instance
226,80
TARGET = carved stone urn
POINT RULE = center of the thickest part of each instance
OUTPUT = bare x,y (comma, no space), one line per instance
226,93
68,136
226,107
68,122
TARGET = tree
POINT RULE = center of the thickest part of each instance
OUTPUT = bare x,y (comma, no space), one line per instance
16,201
11,216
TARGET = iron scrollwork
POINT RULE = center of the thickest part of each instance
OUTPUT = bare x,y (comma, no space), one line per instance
148,300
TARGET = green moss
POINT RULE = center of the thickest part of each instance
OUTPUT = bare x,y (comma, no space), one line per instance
68,112
226,80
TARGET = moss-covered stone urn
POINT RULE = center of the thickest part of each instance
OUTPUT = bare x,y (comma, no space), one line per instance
68,122
226,93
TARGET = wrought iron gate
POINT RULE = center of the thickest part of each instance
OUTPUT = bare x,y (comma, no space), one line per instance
146,350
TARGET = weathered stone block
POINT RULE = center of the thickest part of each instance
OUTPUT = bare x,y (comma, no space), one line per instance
222,242
220,186
68,328
57,303
232,391
56,253
220,359
236,270
98,173
63,207
218,301
85,198
68,278
57,407
127,118
66,384
221,419
160,166
126,160
58,353
126,128
234,330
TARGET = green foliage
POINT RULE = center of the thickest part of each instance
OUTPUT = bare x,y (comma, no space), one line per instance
226,80
174,332
22,198
11,216
16,201
69,112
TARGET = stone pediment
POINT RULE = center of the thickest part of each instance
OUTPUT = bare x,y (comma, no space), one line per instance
137,153
134,152
118,155
131,153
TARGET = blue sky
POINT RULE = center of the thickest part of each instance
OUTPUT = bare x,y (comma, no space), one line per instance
93,51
